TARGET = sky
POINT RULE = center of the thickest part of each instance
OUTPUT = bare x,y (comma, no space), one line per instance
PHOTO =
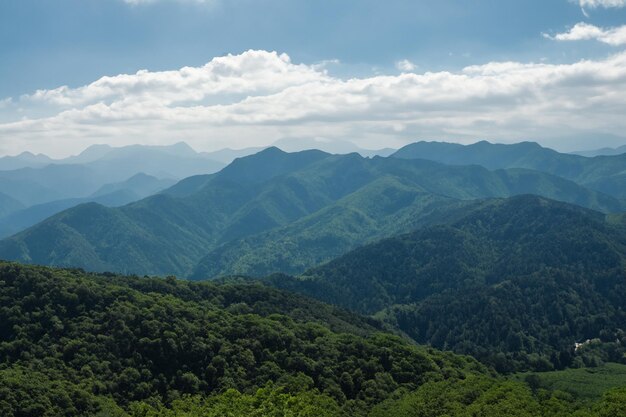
241,73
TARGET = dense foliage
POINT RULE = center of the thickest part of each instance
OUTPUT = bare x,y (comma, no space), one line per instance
274,211
73,343
601,173
467,398
515,284
478,396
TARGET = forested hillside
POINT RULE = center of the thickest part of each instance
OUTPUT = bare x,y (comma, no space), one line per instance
77,344
282,202
602,173
72,341
515,283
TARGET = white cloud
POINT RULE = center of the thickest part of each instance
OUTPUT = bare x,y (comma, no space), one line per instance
406,66
258,97
584,31
602,3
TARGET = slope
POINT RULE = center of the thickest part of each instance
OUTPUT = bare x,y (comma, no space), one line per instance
516,283
171,232
73,343
602,173
8,205
27,217
397,196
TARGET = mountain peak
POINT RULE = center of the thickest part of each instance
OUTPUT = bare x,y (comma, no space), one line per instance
269,163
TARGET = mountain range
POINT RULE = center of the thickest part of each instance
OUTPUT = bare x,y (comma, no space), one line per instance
606,174
602,151
277,211
321,274
111,195
35,187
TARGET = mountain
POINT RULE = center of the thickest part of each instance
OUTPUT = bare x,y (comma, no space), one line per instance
514,283
24,160
334,146
111,195
8,205
170,233
141,185
603,151
602,173
26,191
227,155
396,197
174,161
98,166
62,181
99,152
27,217
77,344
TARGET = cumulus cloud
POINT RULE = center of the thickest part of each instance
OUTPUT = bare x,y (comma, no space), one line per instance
258,97
592,4
584,31
406,66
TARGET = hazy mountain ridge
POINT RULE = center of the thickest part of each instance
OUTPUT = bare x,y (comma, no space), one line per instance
110,195
171,232
9,205
602,151
82,175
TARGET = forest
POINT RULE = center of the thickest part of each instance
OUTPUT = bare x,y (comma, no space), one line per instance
77,343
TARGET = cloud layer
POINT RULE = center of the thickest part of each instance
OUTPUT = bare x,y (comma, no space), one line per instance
602,3
258,97
584,31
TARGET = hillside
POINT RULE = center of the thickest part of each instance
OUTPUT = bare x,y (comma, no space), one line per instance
73,343
515,283
100,169
27,217
141,185
171,233
396,197
601,173
8,205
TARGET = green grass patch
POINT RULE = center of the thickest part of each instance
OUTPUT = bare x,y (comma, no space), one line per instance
583,383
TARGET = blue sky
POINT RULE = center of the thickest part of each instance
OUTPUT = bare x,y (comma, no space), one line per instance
47,44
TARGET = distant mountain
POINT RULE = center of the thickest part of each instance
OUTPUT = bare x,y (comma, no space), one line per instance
83,175
603,151
22,219
24,160
173,231
26,191
334,146
227,155
514,283
110,195
8,205
99,152
141,185
61,181
175,161
602,173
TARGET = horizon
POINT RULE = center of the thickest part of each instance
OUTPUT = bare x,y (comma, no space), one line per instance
356,148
